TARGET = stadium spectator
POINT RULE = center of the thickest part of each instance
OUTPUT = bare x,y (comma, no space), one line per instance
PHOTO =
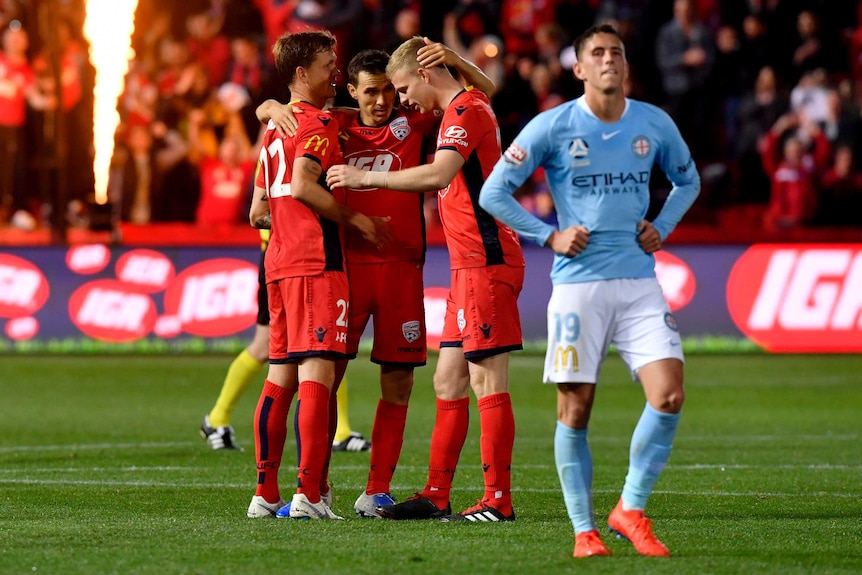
18,89
685,56
75,76
605,289
760,109
795,152
305,255
841,194
481,326
208,46
226,178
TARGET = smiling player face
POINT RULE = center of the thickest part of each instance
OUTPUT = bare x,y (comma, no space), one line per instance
375,95
322,75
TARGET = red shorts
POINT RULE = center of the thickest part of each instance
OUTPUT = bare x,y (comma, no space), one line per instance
393,293
308,317
482,311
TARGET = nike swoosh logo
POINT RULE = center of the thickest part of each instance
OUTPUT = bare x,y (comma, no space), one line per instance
611,135
674,343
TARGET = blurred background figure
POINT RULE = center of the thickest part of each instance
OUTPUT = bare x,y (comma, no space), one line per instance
18,89
684,56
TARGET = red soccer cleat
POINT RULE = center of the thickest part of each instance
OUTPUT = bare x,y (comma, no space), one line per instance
635,527
589,544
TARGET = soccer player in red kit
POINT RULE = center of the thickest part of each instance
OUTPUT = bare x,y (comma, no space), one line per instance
387,284
482,323
306,278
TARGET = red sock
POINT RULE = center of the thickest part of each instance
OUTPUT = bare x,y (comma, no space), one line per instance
333,424
447,439
270,431
498,438
387,436
313,423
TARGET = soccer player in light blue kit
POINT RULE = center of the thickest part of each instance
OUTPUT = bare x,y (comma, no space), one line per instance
597,152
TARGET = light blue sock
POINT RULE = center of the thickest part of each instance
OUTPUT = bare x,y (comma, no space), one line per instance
575,469
651,444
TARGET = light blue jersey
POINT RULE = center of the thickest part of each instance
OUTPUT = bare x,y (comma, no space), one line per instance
598,175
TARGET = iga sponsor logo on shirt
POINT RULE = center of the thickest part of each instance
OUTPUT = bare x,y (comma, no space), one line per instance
373,161
215,297
799,298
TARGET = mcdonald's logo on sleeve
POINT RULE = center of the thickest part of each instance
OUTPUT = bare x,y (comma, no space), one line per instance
319,144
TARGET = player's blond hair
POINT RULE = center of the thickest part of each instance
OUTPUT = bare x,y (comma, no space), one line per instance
404,57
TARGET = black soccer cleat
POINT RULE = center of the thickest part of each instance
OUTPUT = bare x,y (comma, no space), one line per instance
479,513
417,507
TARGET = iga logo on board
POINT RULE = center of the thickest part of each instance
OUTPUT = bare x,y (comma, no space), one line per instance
22,328
799,298
676,279
110,310
214,298
88,259
23,288
147,269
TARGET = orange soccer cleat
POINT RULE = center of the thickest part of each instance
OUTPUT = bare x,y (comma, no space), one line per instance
635,527
589,544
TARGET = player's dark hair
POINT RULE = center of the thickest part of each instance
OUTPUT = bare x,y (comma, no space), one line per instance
581,40
368,61
294,50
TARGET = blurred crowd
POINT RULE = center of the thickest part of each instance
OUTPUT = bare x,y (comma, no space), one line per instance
768,94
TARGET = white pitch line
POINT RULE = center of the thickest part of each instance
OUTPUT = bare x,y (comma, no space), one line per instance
516,467
726,439
400,488
94,446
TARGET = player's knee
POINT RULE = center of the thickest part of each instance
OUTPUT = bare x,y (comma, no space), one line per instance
451,388
669,402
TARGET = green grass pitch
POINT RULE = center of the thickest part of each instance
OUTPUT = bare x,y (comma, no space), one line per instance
102,471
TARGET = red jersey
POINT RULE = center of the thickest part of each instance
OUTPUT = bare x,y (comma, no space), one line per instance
400,143
223,191
302,243
15,80
473,236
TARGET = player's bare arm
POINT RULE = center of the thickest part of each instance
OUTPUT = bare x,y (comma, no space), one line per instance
648,237
569,242
304,188
258,214
429,177
436,54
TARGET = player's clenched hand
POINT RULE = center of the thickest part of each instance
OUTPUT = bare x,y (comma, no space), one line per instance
648,237
344,176
570,241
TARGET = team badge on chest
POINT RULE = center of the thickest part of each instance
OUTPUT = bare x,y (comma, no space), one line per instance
400,127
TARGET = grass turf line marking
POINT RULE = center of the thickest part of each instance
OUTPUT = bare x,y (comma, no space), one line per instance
400,488
594,439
